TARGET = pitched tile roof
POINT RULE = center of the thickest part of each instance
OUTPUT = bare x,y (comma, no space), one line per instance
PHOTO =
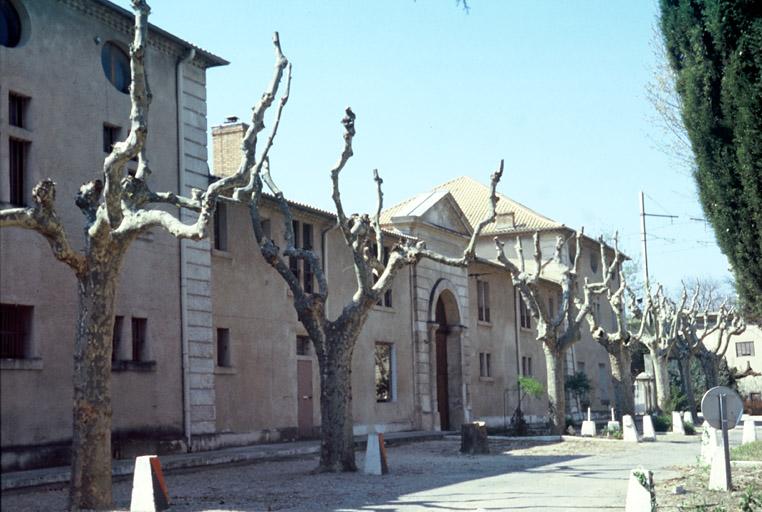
473,199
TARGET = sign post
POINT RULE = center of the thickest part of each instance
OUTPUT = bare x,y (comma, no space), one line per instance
722,409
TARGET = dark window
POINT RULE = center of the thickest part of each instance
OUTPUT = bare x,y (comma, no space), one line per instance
594,262
266,228
223,348
309,276
744,348
482,294
485,364
18,151
302,346
526,366
221,227
116,66
293,263
386,300
524,314
110,137
551,308
139,349
10,25
384,372
15,331
116,338
17,106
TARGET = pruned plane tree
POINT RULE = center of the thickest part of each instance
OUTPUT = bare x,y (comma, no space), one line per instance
558,325
117,209
334,339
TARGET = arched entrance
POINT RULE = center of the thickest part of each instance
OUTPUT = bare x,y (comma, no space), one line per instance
448,366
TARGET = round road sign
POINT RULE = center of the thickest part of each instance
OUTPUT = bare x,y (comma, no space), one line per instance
710,406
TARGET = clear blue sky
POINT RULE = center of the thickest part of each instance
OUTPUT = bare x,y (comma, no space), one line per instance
555,88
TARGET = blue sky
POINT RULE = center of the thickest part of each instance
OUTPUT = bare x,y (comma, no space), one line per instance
556,88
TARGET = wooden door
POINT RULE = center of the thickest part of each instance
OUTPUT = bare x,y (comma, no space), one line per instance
443,396
304,397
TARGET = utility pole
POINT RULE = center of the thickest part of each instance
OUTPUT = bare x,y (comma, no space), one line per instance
643,237
643,215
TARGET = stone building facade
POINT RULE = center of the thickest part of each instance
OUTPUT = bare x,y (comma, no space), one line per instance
215,356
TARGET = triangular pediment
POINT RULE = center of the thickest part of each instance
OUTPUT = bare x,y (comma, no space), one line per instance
437,208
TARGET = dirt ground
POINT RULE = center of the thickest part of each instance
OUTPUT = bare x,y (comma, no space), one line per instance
699,499
577,473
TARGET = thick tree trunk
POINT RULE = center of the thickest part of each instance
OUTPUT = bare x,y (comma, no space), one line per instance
554,363
710,364
621,376
337,452
661,379
685,374
90,485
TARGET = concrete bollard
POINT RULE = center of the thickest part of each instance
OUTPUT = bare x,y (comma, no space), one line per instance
629,431
641,496
649,434
588,426
375,455
688,418
149,491
677,423
749,431
709,442
718,474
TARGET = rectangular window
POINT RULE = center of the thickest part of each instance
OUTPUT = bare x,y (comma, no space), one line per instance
18,150
116,338
485,364
223,348
110,137
266,228
15,331
551,308
482,299
386,300
221,227
524,314
384,355
309,276
526,366
603,383
17,107
139,341
293,263
744,348
302,346
580,367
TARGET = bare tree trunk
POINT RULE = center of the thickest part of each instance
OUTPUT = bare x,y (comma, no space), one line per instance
685,374
621,376
90,485
710,364
661,378
337,451
554,363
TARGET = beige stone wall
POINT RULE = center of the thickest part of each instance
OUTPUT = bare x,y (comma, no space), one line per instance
59,68
226,148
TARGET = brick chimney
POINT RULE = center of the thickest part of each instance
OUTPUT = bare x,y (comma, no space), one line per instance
226,146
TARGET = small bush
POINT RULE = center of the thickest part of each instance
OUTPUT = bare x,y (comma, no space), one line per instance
662,422
611,433
519,425
689,428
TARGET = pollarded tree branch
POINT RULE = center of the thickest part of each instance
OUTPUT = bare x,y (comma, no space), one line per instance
346,154
140,99
43,219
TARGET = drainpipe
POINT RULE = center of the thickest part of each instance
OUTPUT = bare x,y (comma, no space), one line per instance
187,57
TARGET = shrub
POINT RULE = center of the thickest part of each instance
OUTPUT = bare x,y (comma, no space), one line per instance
612,433
689,428
662,422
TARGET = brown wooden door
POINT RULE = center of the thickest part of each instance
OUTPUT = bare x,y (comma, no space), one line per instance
443,396
304,397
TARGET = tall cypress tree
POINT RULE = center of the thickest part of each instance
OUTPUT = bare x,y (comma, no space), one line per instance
715,48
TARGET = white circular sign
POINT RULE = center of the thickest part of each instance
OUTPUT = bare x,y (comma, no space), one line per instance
710,406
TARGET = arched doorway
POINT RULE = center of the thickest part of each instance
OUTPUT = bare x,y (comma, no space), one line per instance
448,367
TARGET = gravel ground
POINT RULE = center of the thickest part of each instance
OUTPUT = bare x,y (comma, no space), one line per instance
695,479
423,476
